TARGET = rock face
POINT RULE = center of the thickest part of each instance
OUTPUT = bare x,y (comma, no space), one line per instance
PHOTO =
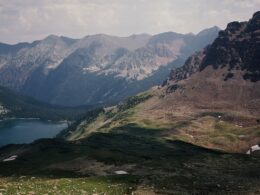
225,75
236,48
192,65
95,69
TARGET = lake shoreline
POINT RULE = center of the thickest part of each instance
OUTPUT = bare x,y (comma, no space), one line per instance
15,118
25,131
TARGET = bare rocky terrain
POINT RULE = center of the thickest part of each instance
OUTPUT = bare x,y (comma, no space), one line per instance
95,69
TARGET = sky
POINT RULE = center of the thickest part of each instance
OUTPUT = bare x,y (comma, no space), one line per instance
28,20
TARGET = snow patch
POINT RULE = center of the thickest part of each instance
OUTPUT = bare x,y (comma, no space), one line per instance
120,172
54,65
11,158
91,69
252,149
255,147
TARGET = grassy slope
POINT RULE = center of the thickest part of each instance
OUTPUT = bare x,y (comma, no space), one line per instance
141,137
224,130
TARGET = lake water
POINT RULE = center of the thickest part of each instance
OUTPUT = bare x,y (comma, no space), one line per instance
19,131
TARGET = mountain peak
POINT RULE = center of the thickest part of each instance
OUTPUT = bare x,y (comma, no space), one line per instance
209,30
256,15
52,37
142,35
236,48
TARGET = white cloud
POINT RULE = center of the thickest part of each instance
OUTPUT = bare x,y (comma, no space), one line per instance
28,20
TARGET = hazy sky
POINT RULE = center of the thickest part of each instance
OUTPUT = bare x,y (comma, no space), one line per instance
27,20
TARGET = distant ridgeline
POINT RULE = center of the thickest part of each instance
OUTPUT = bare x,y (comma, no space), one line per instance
95,69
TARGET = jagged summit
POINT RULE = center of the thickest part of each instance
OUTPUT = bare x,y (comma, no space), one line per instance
52,36
236,48
206,31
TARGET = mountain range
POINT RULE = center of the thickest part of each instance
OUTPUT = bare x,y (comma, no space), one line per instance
213,100
95,69
190,135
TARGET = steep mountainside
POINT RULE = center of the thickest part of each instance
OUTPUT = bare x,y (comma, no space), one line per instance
15,105
213,100
236,48
95,69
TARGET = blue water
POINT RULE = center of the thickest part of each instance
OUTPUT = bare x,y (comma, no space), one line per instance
19,131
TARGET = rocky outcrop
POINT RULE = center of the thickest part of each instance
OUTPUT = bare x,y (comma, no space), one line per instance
236,48
191,66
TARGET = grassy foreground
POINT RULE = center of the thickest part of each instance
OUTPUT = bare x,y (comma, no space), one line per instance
96,185
154,166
